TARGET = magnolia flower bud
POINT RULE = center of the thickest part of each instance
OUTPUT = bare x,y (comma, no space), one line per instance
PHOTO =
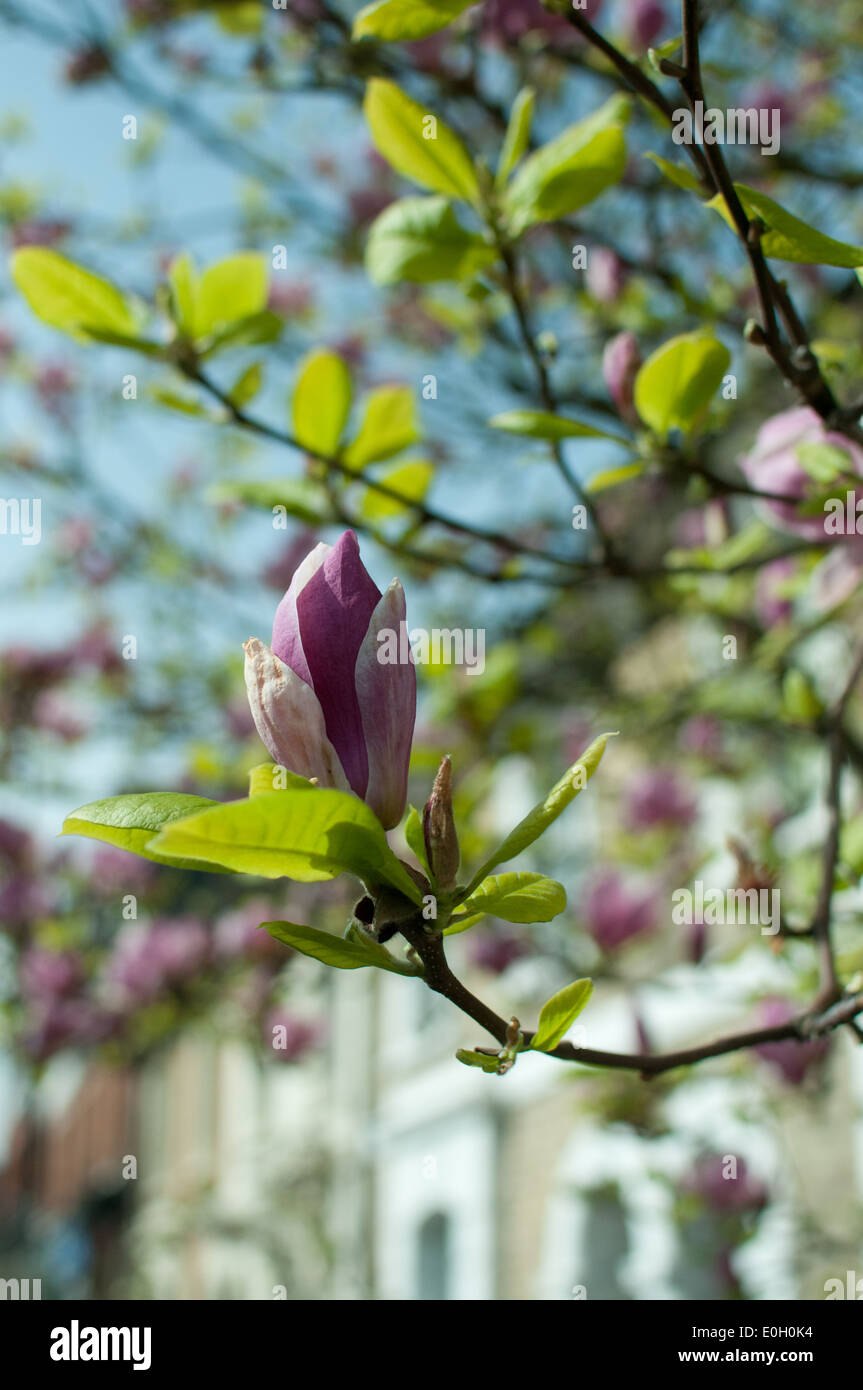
439,829
773,465
620,363
323,703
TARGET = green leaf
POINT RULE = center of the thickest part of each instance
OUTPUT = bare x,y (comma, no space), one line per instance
300,497
250,331
230,290
786,237
558,1015
823,462
517,136
410,480
800,704
421,240
677,382
611,477
417,144
541,424
677,174
306,834
514,897
183,403
272,777
397,20
336,950
537,821
144,345
183,286
744,545
242,19
415,837
570,171
322,399
389,425
68,297
129,822
247,385
483,1060
851,845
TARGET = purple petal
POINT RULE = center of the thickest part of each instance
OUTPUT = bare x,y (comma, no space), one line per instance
388,704
334,610
286,625
289,718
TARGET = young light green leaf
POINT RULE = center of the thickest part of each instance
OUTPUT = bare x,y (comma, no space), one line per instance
541,424
823,462
421,240
570,171
389,425
305,835
250,331
68,297
336,950
271,777
677,382
677,174
787,238
517,136
183,403
611,477
410,480
130,822
300,497
417,144
247,385
537,821
230,290
800,704
558,1015
322,399
406,20
483,1060
183,285
415,837
514,897
242,18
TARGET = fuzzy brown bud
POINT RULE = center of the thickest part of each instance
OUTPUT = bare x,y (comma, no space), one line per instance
439,829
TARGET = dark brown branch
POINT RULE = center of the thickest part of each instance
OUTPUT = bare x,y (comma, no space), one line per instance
439,977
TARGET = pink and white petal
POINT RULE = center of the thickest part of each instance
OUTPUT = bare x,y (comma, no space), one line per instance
289,718
835,578
387,695
287,643
334,610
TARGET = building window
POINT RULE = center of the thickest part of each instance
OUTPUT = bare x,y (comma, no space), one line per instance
433,1258
606,1243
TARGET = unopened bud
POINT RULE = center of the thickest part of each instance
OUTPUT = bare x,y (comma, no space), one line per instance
439,829
749,873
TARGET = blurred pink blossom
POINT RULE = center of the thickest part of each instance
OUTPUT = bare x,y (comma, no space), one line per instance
47,975
496,949
772,465
620,363
298,1038
772,606
792,1060
729,1196
614,913
658,796
605,275
239,932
